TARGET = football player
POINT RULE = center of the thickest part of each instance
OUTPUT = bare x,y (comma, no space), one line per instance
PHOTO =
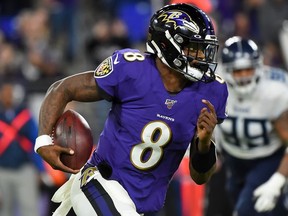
162,101
254,136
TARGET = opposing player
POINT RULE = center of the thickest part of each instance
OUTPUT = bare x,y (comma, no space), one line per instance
255,134
162,101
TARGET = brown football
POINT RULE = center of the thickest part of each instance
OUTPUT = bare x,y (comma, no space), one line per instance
73,131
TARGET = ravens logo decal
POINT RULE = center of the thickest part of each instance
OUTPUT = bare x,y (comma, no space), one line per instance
104,69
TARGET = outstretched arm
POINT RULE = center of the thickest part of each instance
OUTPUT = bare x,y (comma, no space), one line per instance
202,151
268,193
80,87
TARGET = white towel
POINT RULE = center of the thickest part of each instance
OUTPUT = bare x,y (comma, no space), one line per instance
63,195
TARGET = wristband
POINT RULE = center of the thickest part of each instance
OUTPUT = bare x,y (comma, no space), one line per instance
43,140
204,162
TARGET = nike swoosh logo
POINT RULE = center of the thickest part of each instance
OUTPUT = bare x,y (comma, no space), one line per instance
116,60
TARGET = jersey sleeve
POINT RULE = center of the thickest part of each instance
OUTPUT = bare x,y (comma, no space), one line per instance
219,99
279,85
276,74
281,100
113,74
222,109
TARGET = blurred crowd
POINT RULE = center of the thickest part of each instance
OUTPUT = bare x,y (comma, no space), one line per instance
44,40
260,20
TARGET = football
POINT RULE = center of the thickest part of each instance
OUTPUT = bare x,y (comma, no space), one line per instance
73,131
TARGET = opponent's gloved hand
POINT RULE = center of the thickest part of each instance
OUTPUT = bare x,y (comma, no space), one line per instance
268,193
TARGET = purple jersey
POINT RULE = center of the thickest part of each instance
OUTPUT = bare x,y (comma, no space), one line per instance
148,130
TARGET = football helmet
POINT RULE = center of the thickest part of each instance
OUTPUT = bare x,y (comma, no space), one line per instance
183,37
238,54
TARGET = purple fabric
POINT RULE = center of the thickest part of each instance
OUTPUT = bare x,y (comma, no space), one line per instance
139,100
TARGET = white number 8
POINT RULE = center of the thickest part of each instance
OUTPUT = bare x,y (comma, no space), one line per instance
155,136
133,56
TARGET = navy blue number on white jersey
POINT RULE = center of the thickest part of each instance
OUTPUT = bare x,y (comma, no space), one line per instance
277,74
253,134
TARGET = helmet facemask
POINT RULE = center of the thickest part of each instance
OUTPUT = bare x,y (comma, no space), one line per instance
241,54
200,61
243,86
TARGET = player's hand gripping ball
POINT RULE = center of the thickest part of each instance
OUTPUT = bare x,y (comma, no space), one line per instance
73,131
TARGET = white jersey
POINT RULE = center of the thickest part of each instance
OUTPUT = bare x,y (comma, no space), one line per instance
248,133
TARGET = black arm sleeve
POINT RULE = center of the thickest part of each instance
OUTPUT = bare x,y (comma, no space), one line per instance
203,162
